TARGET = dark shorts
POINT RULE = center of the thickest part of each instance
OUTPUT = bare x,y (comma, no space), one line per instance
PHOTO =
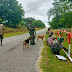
1,36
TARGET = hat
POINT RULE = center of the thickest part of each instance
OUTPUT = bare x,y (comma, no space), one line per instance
61,39
51,33
48,29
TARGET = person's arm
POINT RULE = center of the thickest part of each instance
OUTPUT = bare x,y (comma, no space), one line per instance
3,30
56,38
28,27
65,49
32,27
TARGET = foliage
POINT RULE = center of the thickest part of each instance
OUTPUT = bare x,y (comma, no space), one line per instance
0,19
36,23
13,32
22,23
61,14
12,11
39,23
50,63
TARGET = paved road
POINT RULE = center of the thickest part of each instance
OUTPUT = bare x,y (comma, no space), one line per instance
14,59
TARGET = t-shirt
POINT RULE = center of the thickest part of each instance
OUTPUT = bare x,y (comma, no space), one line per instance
1,29
50,40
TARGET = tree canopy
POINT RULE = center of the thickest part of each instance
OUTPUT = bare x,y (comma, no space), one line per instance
12,11
61,14
36,23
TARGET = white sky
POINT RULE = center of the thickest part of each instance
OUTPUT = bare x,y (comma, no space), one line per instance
37,9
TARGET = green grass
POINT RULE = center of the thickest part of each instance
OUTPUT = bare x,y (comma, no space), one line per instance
50,63
13,32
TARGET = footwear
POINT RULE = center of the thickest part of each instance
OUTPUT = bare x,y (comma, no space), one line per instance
31,44
34,43
1,45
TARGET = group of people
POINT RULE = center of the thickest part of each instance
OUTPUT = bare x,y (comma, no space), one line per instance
55,45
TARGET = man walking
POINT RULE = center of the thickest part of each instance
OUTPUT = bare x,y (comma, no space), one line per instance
31,28
1,31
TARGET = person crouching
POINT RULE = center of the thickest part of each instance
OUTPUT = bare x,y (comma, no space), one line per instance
50,39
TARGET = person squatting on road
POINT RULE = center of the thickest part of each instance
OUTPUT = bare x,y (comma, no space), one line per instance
32,32
1,31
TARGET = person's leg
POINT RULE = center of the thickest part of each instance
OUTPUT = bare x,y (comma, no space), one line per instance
1,42
33,38
0,37
31,41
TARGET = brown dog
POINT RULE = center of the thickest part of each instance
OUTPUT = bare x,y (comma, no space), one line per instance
41,37
26,42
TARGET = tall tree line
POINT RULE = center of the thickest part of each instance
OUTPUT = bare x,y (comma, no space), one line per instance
61,14
36,23
12,11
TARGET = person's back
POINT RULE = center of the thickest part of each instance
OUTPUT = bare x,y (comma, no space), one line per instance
1,32
50,40
56,46
1,29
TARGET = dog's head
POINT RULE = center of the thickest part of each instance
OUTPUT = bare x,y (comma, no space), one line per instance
29,38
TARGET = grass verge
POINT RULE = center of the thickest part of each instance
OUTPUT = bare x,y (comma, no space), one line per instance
13,32
50,63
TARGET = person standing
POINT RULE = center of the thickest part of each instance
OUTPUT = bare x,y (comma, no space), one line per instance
49,30
1,31
31,28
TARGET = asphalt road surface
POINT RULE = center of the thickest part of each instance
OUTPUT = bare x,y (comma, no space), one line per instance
14,59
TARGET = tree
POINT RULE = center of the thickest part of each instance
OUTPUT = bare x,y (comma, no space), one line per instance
61,13
12,11
36,23
39,24
55,12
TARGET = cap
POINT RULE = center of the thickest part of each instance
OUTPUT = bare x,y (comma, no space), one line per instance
51,33
48,29
30,20
61,39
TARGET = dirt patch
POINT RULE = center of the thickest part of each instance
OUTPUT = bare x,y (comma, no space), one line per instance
69,30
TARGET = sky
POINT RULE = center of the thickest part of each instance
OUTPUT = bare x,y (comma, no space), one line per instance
37,9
